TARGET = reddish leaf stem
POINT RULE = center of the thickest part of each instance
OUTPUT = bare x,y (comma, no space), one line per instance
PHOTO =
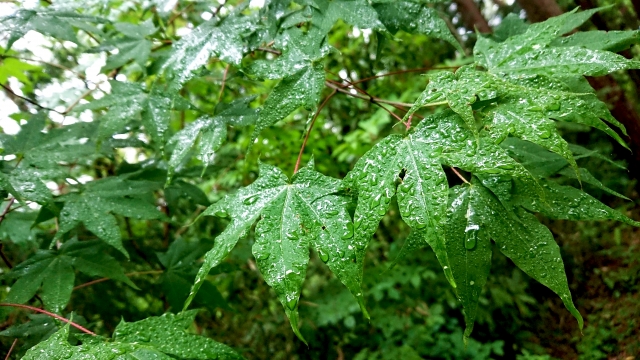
460,175
97,281
224,82
313,121
13,345
56,316
404,72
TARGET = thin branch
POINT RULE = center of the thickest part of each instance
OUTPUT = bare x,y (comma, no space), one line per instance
6,210
460,175
398,72
175,16
224,81
372,99
313,121
80,75
331,84
84,95
56,316
33,102
2,216
13,345
273,51
97,281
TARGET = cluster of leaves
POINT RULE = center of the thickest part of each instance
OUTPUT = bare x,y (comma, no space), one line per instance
163,337
498,136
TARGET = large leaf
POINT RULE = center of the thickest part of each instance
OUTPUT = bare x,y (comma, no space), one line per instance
411,167
294,215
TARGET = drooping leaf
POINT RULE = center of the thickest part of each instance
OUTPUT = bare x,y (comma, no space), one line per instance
468,249
566,202
523,239
204,136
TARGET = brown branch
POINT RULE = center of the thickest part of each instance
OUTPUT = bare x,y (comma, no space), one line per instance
460,175
97,281
33,102
13,345
80,75
472,17
84,95
56,316
174,17
313,121
224,81
2,216
331,84
6,210
273,51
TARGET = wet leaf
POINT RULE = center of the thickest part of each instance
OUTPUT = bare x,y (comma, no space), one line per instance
294,215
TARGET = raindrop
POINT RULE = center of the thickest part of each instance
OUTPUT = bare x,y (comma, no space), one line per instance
471,240
323,256
292,304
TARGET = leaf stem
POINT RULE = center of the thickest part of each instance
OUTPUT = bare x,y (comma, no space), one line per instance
224,82
398,72
13,345
97,281
33,102
332,85
460,175
313,121
56,316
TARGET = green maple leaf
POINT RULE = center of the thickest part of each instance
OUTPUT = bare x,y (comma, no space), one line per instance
567,203
411,168
469,250
53,271
302,73
358,13
205,135
167,334
129,103
293,215
123,104
524,107
221,38
157,337
95,206
132,46
415,19
181,268
476,216
56,23
532,52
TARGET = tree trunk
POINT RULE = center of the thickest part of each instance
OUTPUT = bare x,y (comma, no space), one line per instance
636,7
540,10
472,17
